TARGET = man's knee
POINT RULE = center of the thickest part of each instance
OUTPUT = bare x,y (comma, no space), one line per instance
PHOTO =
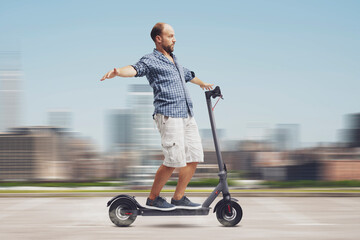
192,164
167,168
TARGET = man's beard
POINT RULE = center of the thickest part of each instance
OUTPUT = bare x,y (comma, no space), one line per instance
169,48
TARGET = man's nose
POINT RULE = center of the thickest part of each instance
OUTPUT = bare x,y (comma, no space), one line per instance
174,40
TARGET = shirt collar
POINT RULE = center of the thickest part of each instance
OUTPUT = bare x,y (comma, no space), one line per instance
157,53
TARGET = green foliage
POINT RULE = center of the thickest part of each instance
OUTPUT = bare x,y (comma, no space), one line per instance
206,182
237,174
312,183
60,184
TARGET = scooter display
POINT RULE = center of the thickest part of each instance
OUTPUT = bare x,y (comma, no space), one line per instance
123,209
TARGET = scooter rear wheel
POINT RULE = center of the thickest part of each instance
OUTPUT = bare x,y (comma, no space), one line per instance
117,217
225,217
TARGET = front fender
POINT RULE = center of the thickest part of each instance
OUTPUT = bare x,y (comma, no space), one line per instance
222,202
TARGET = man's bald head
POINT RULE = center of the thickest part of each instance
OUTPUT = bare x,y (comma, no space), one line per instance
157,30
163,36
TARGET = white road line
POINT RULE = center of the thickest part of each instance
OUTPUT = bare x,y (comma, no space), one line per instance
311,224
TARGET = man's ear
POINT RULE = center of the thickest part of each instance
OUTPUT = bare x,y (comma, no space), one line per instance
158,39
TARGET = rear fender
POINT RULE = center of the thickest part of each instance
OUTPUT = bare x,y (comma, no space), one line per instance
123,196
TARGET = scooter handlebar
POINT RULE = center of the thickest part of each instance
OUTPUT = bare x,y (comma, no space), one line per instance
214,93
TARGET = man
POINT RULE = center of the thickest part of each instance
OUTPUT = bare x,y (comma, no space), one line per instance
180,140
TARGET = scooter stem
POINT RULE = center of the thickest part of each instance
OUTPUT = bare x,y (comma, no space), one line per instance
208,94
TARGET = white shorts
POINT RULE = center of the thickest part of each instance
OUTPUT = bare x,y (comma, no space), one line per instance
180,140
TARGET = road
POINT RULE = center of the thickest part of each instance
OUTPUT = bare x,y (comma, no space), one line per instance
264,218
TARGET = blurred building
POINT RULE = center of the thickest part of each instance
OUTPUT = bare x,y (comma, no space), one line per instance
319,163
60,118
34,153
146,136
351,135
120,130
10,89
208,140
120,164
289,166
285,137
132,132
85,163
339,163
241,159
48,153
256,131
246,157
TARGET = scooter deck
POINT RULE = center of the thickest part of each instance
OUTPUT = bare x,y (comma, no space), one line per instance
176,212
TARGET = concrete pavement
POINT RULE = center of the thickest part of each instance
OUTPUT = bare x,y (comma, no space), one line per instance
264,218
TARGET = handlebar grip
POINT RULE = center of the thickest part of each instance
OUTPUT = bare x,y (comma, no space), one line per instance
213,93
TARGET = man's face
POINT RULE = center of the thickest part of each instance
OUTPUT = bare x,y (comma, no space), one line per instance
168,39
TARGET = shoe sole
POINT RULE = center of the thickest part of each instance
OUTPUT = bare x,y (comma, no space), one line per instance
160,209
187,207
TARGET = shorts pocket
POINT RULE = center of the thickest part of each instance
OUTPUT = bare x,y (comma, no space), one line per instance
160,121
169,150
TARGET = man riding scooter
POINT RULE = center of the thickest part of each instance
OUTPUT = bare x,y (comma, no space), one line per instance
173,114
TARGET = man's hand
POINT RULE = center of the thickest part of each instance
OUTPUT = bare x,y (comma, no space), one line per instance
203,85
206,86
127,71
110,74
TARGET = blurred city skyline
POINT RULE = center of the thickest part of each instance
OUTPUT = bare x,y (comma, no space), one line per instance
277,62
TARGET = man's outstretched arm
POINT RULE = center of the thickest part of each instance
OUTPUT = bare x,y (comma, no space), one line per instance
203,85
127,71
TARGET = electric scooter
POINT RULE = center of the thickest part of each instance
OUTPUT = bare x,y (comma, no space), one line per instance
123,209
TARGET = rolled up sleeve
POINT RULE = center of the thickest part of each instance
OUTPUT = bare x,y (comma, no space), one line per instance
141,68
189,75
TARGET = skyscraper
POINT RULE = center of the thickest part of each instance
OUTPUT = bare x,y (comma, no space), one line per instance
146,136
60,119
10,90
132,131
286,137
352,133
134,125
119,130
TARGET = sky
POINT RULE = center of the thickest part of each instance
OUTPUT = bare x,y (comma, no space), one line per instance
277,62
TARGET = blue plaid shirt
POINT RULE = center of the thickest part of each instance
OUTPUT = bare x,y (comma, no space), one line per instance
171,97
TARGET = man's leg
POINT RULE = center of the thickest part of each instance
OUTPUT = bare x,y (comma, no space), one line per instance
185,175
161,177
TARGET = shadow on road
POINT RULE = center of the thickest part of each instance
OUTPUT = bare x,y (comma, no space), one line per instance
176,225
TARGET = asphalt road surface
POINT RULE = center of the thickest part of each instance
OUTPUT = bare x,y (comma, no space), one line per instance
264,218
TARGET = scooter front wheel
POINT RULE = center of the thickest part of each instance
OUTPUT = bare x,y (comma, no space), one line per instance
116,212
227,217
